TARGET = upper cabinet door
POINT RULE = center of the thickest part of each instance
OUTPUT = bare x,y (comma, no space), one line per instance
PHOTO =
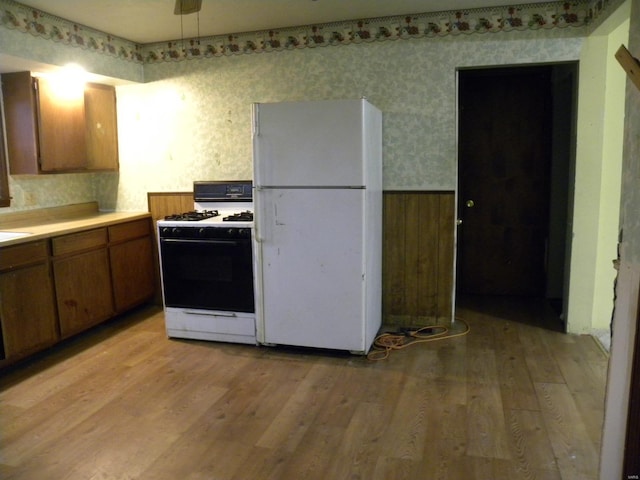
18,96
101,127
61,127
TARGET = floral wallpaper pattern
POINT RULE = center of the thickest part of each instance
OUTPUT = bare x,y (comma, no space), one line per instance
190,120
576,13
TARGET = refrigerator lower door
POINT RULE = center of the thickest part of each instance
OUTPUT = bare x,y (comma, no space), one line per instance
313,270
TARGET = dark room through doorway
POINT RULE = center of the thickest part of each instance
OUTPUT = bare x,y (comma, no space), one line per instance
516,150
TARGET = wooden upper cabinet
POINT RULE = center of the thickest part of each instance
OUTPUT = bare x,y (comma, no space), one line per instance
61,126
19,98
101,127
54,130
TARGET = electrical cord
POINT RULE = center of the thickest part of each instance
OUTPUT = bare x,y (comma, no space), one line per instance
385,343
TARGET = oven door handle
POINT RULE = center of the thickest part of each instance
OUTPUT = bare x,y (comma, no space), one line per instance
211,314
232,243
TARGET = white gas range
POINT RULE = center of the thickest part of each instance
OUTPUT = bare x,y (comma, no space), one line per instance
206,264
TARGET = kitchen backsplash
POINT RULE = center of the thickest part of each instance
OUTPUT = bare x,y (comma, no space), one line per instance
30,191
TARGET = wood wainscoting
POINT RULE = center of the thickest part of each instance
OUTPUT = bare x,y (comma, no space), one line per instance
162,204
418,258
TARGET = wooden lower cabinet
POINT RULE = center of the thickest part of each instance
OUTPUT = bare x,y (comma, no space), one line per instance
27,304
83,290
54,288
131,260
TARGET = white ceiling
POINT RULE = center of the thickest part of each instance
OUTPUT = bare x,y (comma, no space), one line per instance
150,21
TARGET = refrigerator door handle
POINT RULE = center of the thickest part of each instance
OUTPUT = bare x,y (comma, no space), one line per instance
257,232
254,120
257,166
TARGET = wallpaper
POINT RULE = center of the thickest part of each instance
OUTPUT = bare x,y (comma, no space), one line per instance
519,17
191,119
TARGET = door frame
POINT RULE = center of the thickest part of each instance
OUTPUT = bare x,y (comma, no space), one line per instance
571,69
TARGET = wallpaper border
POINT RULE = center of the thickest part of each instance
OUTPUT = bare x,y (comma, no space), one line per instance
525,17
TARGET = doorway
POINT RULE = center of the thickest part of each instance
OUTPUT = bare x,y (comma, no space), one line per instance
516,134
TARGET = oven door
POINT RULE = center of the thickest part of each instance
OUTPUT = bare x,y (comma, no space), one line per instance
208,274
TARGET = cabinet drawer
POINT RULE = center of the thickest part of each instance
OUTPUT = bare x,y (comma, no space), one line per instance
23,254
77,242
129,230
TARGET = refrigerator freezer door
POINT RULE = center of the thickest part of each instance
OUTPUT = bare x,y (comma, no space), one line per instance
313,273
316,143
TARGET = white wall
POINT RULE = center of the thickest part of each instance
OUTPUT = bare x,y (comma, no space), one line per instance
597,180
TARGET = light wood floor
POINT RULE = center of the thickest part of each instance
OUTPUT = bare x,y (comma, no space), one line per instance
510,400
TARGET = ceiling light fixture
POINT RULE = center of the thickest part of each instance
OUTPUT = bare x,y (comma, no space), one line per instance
185,7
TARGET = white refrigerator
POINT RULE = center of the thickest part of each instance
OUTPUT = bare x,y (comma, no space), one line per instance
318,223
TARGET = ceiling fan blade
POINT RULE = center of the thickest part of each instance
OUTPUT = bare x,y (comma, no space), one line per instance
184,7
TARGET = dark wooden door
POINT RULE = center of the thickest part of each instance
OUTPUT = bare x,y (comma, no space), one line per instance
503,180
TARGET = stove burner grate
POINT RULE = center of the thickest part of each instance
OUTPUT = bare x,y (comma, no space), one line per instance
193,216
246,216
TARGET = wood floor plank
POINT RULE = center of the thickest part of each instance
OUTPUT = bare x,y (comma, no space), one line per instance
359,446
264,464
315,454
538,355
447,442
42,385
292,422
406,433
396,468
515,382
530,445
576,454
516,386
125,402
49,421
587,389
487,430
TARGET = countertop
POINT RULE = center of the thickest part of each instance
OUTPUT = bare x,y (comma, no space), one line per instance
50,222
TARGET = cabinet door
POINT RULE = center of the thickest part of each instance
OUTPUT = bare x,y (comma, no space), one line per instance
19,100
101,127
83,290
132,271
27,310
61,126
